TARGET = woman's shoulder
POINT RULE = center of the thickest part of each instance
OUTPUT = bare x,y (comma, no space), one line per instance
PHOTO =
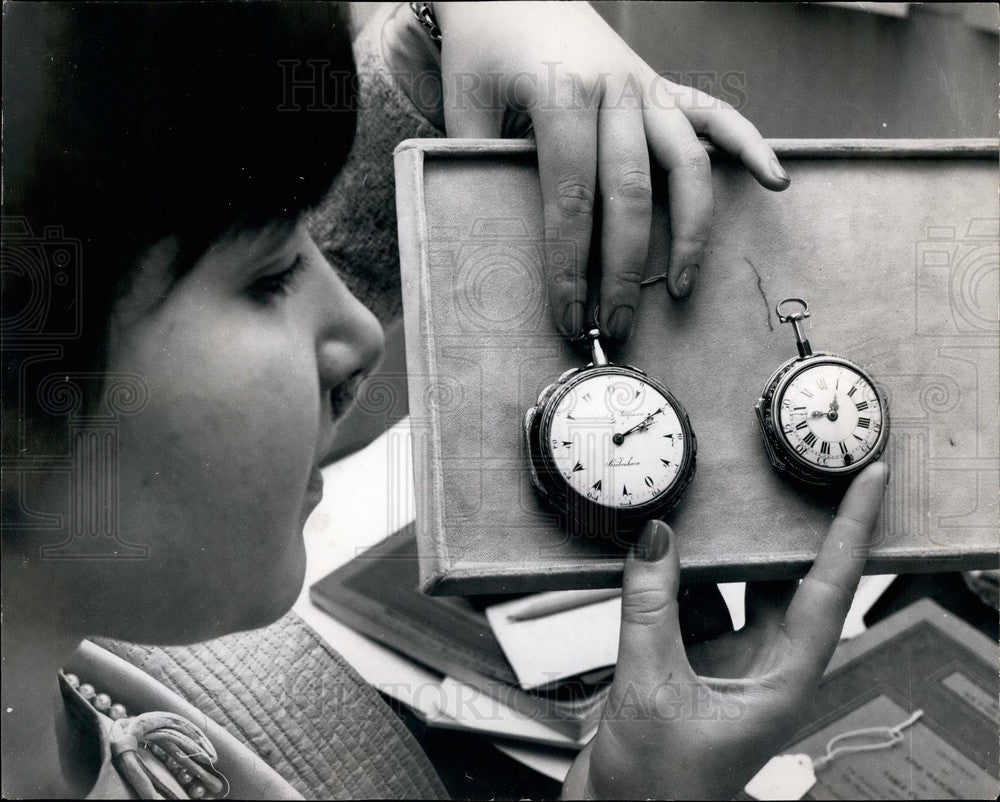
135,719
284,695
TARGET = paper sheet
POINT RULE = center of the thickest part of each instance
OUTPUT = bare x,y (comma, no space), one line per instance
564,644
471,708
545,761
869,590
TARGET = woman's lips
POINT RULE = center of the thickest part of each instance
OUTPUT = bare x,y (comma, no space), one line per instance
341,398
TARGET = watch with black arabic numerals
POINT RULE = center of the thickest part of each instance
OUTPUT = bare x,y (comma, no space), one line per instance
609,446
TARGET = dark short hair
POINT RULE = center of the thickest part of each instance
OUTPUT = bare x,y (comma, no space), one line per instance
128,122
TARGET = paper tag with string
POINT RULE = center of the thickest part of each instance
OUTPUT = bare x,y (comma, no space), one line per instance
783,777
791,776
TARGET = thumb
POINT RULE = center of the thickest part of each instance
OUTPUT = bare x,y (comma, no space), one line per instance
650,648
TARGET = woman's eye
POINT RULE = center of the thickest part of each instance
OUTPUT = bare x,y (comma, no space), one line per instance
273,285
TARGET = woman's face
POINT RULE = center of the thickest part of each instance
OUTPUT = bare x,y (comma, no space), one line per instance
245,358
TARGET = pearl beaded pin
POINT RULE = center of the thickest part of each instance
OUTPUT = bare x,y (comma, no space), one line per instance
103,703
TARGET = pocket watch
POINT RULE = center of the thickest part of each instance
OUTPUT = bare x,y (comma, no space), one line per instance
609,447
823,418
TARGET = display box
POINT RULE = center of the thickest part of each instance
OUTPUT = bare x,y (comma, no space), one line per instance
894,243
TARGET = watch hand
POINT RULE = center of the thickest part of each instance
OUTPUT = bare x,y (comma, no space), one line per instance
617,439
646,422
834,406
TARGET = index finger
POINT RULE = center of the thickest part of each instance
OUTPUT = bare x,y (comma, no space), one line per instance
816,614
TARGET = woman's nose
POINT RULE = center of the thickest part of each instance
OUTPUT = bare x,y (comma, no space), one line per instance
353,341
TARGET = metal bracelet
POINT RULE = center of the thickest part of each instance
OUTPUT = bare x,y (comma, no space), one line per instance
424,12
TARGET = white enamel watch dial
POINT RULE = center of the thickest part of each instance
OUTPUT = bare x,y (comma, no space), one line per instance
822,417
830,415
609,446
616,440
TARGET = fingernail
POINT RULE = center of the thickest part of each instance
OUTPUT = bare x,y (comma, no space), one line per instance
620,323
572,318
778,171
687,279
655,541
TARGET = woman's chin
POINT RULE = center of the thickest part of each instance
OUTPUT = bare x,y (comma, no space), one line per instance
281,589
264,596
249,600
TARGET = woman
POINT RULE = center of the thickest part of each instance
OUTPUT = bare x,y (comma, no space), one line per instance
159,144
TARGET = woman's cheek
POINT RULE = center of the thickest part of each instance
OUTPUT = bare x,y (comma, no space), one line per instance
216,465
264,424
